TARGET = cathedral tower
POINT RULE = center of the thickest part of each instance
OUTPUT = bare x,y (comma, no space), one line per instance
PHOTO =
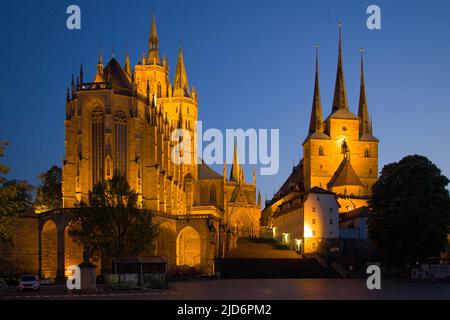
340,153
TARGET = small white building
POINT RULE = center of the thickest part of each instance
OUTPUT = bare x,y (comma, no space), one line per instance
308,222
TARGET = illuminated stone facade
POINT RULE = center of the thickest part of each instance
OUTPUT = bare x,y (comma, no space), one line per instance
340,155
123,122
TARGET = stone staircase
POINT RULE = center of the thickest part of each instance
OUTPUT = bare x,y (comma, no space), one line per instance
263,258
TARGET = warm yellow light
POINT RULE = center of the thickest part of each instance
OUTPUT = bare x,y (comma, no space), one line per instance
308,231
340,140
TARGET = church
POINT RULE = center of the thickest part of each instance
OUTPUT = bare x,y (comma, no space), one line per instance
340,157
122,121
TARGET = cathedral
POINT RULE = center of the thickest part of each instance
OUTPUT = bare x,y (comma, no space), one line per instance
340,156
122,121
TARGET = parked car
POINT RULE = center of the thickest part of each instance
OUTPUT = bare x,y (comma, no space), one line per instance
30,282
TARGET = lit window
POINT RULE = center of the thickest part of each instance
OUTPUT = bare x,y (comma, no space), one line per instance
314,233
314,245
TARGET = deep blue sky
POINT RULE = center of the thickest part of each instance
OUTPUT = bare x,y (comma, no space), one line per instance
251,61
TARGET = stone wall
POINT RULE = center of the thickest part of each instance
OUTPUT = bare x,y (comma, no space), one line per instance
23,256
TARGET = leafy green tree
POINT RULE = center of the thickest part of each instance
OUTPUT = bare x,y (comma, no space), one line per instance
49,193
411,211
113,225
15,197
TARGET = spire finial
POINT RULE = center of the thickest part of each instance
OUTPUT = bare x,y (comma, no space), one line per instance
235,168
180,83
153,43
127,66
340,94
316,121
81,74
100,56
363,110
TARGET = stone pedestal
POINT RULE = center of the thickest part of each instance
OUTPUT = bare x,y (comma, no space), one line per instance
88,276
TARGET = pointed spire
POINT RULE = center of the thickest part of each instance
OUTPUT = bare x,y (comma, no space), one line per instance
126,65
81,74
99,74
259,198
363,110
340,94
153,44
316,122
100,57
235,168
68,95
180,83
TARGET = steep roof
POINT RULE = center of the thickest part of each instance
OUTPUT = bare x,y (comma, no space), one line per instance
114,73
205,172
345,175
294,183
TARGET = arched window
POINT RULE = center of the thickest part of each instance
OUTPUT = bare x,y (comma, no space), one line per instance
120,142
320,151
159,90
367,152
98,143
212,193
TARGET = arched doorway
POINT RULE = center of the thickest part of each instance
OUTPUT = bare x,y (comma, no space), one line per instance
243,224
188,248
49,247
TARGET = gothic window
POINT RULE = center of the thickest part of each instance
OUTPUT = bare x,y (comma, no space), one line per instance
212,194
98,142
367,152
159,90
120,142
320,151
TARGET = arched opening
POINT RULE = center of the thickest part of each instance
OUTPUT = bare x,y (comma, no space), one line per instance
212,194
49,249
120,142
244,225
188,248
98,144
159,90
73,251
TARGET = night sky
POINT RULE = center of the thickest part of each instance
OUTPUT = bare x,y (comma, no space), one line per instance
251,61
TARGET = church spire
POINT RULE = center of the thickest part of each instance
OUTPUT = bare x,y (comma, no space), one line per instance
126,65
180,83
153,44
363,111
99,74
316,122
340,95
235,168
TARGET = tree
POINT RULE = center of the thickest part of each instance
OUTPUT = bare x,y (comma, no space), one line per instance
49,193
15,197
113,225
410,211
